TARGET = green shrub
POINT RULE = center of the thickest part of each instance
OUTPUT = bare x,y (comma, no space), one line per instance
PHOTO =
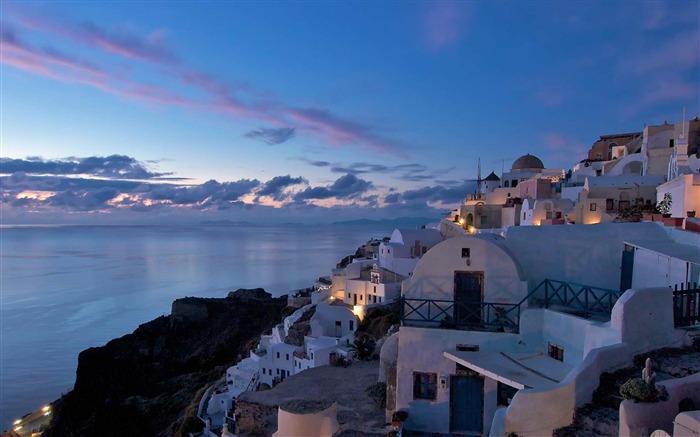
637,390
377,392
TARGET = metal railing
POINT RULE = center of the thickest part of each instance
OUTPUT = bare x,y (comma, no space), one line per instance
583,300
449,313
579,298
686,305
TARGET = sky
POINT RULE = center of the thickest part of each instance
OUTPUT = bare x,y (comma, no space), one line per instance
284,111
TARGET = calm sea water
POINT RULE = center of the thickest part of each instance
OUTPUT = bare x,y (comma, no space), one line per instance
64,289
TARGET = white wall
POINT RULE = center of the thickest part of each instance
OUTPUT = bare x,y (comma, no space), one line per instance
433,277
685,194
590,255
644,320
323,322
652,269
421,350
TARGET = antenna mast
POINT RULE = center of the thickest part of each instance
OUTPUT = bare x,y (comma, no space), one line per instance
478,175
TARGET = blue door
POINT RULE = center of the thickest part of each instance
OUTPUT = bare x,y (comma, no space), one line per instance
466,404
627,268
468,297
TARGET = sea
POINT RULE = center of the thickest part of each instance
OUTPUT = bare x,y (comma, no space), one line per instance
64,289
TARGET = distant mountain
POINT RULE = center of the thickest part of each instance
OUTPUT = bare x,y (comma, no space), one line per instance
224,223
400,222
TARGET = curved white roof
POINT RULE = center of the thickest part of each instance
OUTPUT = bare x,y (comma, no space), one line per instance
427,237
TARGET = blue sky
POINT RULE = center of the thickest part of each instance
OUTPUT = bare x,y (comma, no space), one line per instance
316,111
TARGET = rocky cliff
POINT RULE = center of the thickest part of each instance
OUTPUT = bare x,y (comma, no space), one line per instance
143,383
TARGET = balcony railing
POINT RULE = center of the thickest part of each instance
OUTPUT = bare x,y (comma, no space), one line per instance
455,314
580,300
686,305
577,298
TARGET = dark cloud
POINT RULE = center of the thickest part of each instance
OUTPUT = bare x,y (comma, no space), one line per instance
392,198
207,194
435,193
272,136
21,181
345,187
275,186
83,200
319,163
112,167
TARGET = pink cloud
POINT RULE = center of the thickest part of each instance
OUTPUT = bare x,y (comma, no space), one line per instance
152,48
681,52
444,23
319,123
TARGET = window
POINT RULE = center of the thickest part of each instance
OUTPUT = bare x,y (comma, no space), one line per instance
337,323
424,385
484,219
287,357
507,184
468,347
278,354
360,297
514,184
466,253
593,207
505,394
375,289
278,371
609,204
555,351
349,296
351,324
523,216
312,355
380,299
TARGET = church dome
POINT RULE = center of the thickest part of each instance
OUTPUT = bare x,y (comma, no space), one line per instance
527,162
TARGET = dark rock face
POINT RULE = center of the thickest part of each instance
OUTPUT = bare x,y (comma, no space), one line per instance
249,294
300,328
142,383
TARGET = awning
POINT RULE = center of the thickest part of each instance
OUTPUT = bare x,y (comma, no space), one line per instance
518,370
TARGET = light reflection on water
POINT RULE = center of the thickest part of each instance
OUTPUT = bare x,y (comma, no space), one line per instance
64,289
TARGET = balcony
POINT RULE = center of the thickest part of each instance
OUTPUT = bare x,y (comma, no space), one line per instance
575,299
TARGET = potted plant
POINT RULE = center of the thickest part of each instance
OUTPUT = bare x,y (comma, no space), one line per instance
664,205
643,389
398,418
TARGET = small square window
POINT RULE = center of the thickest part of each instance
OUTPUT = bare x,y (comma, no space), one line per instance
505,394
466,252
424,385
593,207
484,220
555,351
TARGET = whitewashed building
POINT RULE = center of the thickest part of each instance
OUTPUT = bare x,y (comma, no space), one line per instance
493,341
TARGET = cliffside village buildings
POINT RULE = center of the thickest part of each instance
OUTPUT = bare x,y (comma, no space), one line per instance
510,308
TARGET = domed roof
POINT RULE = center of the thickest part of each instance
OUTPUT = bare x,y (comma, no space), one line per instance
527,162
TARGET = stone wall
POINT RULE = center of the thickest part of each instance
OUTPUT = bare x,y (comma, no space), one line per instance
253,417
